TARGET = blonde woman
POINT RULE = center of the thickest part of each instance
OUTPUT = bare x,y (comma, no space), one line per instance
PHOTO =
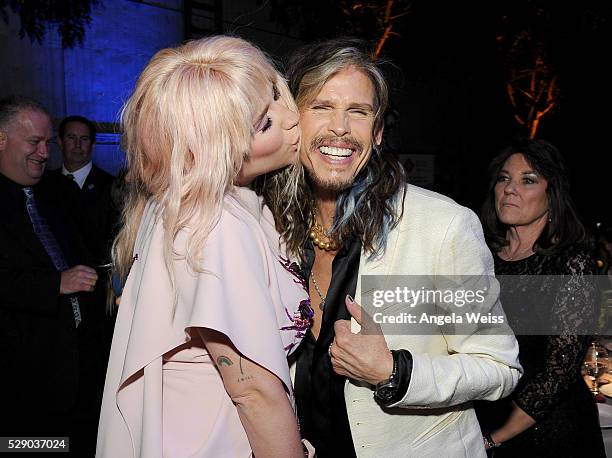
210,308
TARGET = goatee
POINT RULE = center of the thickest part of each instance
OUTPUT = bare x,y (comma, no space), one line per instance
330,185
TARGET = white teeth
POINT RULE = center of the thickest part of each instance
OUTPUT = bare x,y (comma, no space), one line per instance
332,151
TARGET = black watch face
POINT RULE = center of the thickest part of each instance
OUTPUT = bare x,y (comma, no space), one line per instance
384,393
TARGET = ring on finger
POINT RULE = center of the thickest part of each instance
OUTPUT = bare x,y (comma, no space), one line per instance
329,350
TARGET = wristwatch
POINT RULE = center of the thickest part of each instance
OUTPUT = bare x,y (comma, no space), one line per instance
386,389
489,442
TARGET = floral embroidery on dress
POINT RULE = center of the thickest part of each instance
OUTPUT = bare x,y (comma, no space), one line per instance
302,317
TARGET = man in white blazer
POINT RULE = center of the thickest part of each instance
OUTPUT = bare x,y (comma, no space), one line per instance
393,393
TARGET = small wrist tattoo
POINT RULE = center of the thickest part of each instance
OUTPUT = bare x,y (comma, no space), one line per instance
224,361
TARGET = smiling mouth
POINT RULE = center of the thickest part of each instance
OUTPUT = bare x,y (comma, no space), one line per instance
336,153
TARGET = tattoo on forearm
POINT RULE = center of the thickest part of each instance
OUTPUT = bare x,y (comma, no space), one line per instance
243,377
224,361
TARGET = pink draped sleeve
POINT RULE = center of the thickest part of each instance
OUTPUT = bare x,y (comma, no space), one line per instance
243,289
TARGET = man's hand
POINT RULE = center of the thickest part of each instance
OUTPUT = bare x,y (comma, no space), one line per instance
77,279
364,356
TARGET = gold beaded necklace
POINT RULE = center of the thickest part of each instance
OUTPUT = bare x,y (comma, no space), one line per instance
321,238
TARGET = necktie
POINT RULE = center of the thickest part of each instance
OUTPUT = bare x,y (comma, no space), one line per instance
52,247
73,181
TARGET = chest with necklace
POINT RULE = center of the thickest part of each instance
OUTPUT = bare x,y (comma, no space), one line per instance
520,253
325,246
320,275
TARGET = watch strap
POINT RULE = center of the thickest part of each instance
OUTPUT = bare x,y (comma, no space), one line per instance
402,372
393,372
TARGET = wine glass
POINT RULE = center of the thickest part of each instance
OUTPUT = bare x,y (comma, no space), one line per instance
595,364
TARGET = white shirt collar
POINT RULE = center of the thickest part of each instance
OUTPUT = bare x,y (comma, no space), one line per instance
79,175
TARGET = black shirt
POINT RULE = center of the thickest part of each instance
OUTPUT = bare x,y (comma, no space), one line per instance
319,391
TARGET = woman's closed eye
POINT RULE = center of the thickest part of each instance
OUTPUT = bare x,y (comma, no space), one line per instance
267,124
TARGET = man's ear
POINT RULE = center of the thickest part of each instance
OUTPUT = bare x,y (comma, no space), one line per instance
58,140
3,140
378,134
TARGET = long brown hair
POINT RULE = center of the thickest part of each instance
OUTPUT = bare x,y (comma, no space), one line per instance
369,209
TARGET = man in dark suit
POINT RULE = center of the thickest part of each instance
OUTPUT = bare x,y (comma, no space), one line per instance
89,184
87,190
49,337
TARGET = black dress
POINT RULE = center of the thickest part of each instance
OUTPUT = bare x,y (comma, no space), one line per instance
552,390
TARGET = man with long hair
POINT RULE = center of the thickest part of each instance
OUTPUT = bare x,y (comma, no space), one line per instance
356,216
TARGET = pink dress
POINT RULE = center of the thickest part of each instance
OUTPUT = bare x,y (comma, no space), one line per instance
163,396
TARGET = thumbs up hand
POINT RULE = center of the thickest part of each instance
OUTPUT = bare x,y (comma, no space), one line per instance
364,356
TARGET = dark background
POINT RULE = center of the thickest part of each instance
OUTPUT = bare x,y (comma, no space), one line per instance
448,83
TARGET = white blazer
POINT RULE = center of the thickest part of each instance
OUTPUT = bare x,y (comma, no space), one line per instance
435,236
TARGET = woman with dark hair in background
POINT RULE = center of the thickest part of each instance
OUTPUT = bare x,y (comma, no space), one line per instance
532,228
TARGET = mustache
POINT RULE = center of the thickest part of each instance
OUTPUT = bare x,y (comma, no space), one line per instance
331,140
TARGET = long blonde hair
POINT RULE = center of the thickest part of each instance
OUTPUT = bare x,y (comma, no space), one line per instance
186,130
